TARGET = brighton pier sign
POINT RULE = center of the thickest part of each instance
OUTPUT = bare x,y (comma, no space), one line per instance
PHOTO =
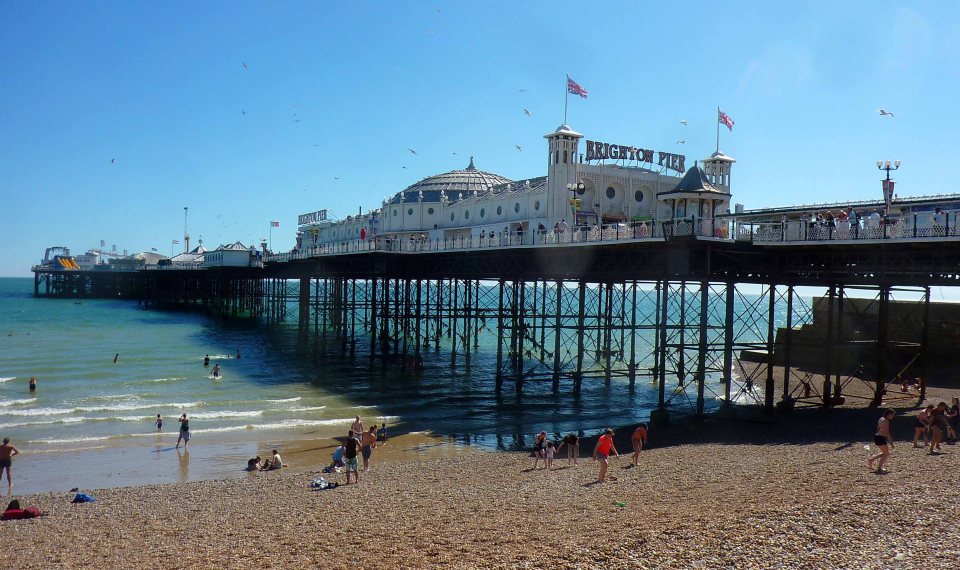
312,217
604,151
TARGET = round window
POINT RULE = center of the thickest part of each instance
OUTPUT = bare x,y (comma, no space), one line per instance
638,196
409,211
394,212
483,213
466,215
430,211
536,205
516,207
452,216
611,192
499,210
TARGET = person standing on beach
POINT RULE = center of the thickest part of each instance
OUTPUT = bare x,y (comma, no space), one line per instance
540,449
159,423
367,442
382,433
350,448
573,448
639,439
601,453
922,426
883,440
7,452
184,432
357,427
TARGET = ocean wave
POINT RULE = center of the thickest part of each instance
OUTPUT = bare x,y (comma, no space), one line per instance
276,425
303,409
362,407
174,379
7,379
116,408
294,399
44,422
38,412
16,402
225,414
72,439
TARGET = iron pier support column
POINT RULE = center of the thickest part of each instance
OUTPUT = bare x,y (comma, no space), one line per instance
499,377
660,416
578,375
556,337
838,384
770,385
787,342
925,342
827,378
633,337
454,313
702,349
883,341
373,318
416,340
728,342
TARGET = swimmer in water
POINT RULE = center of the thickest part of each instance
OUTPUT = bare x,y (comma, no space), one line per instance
216,371
33,384
238,353
116,357
159,423
206,361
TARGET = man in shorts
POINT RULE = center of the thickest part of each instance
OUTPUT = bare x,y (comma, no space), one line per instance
639,439
367,442
573,448
350,449
7,452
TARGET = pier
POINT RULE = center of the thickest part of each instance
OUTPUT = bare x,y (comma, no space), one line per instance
669,309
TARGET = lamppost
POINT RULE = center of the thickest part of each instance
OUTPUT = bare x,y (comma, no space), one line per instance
575,202
887,183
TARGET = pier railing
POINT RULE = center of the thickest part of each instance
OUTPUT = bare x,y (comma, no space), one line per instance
918,225
589,234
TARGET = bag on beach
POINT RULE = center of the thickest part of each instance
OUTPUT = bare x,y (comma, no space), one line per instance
83,498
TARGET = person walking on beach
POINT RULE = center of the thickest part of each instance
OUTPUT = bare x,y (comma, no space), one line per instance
922,426
367,442
159,423
32,384
549,451
184,432
601,453
539,449
938,427
883,440
7,452
639,439
350,448
573,448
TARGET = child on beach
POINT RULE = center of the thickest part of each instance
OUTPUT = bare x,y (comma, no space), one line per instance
639,439
539,449
550,451
159,423
883,440
382,433
573,448
601,453
922,426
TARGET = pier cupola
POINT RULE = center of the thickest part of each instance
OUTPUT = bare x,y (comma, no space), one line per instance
562,149
717,168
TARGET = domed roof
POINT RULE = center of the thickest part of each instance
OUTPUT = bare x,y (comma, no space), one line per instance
453,183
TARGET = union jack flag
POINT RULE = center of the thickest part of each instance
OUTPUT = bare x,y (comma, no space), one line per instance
274,224
725,119
574,88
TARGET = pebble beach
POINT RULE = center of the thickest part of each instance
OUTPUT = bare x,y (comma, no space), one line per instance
723,493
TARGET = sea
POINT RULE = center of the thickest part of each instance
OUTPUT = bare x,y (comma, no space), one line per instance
106,368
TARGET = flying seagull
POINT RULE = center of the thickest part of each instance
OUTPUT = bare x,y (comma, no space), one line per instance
336,178
520,148
683,122
681,142
245,67
404,167
884,113
413,152
242,112
527,113
113,161
523,90
454,154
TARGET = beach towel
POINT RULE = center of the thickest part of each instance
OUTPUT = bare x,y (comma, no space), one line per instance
17,514
83,498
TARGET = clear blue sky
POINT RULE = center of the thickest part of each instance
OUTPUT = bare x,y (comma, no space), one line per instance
161,88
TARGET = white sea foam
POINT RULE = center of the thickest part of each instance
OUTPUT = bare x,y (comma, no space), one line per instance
226,414
285,424
294,399
17,402
115,408
44,422
71,439
363,407
7,379
38,412
304,409
166,379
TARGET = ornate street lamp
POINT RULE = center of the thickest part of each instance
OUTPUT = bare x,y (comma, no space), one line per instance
887,183
575,202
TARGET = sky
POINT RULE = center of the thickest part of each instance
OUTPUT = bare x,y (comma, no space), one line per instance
114,116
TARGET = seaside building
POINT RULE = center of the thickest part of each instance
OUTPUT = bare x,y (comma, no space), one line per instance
231,255
604,185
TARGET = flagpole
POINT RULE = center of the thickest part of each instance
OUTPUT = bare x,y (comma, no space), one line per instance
566,97
718,129
270,233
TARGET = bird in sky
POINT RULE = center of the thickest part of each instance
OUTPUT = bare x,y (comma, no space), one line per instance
404,167
454,154
242,112
527,113
523,90
245,68
316,145
113,161
683,122
336,178
681,142
884,113
413,152
520,148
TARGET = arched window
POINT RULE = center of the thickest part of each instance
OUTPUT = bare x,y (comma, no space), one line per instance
638,196
611,192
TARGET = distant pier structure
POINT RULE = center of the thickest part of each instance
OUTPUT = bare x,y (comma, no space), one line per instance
614,273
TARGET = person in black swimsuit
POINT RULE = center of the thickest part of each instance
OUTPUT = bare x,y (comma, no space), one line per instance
351,446
539,449
184,432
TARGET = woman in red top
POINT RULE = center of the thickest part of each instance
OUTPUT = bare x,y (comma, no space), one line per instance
602,451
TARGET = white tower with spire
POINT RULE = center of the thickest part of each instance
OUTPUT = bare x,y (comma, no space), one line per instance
717,169
561,170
